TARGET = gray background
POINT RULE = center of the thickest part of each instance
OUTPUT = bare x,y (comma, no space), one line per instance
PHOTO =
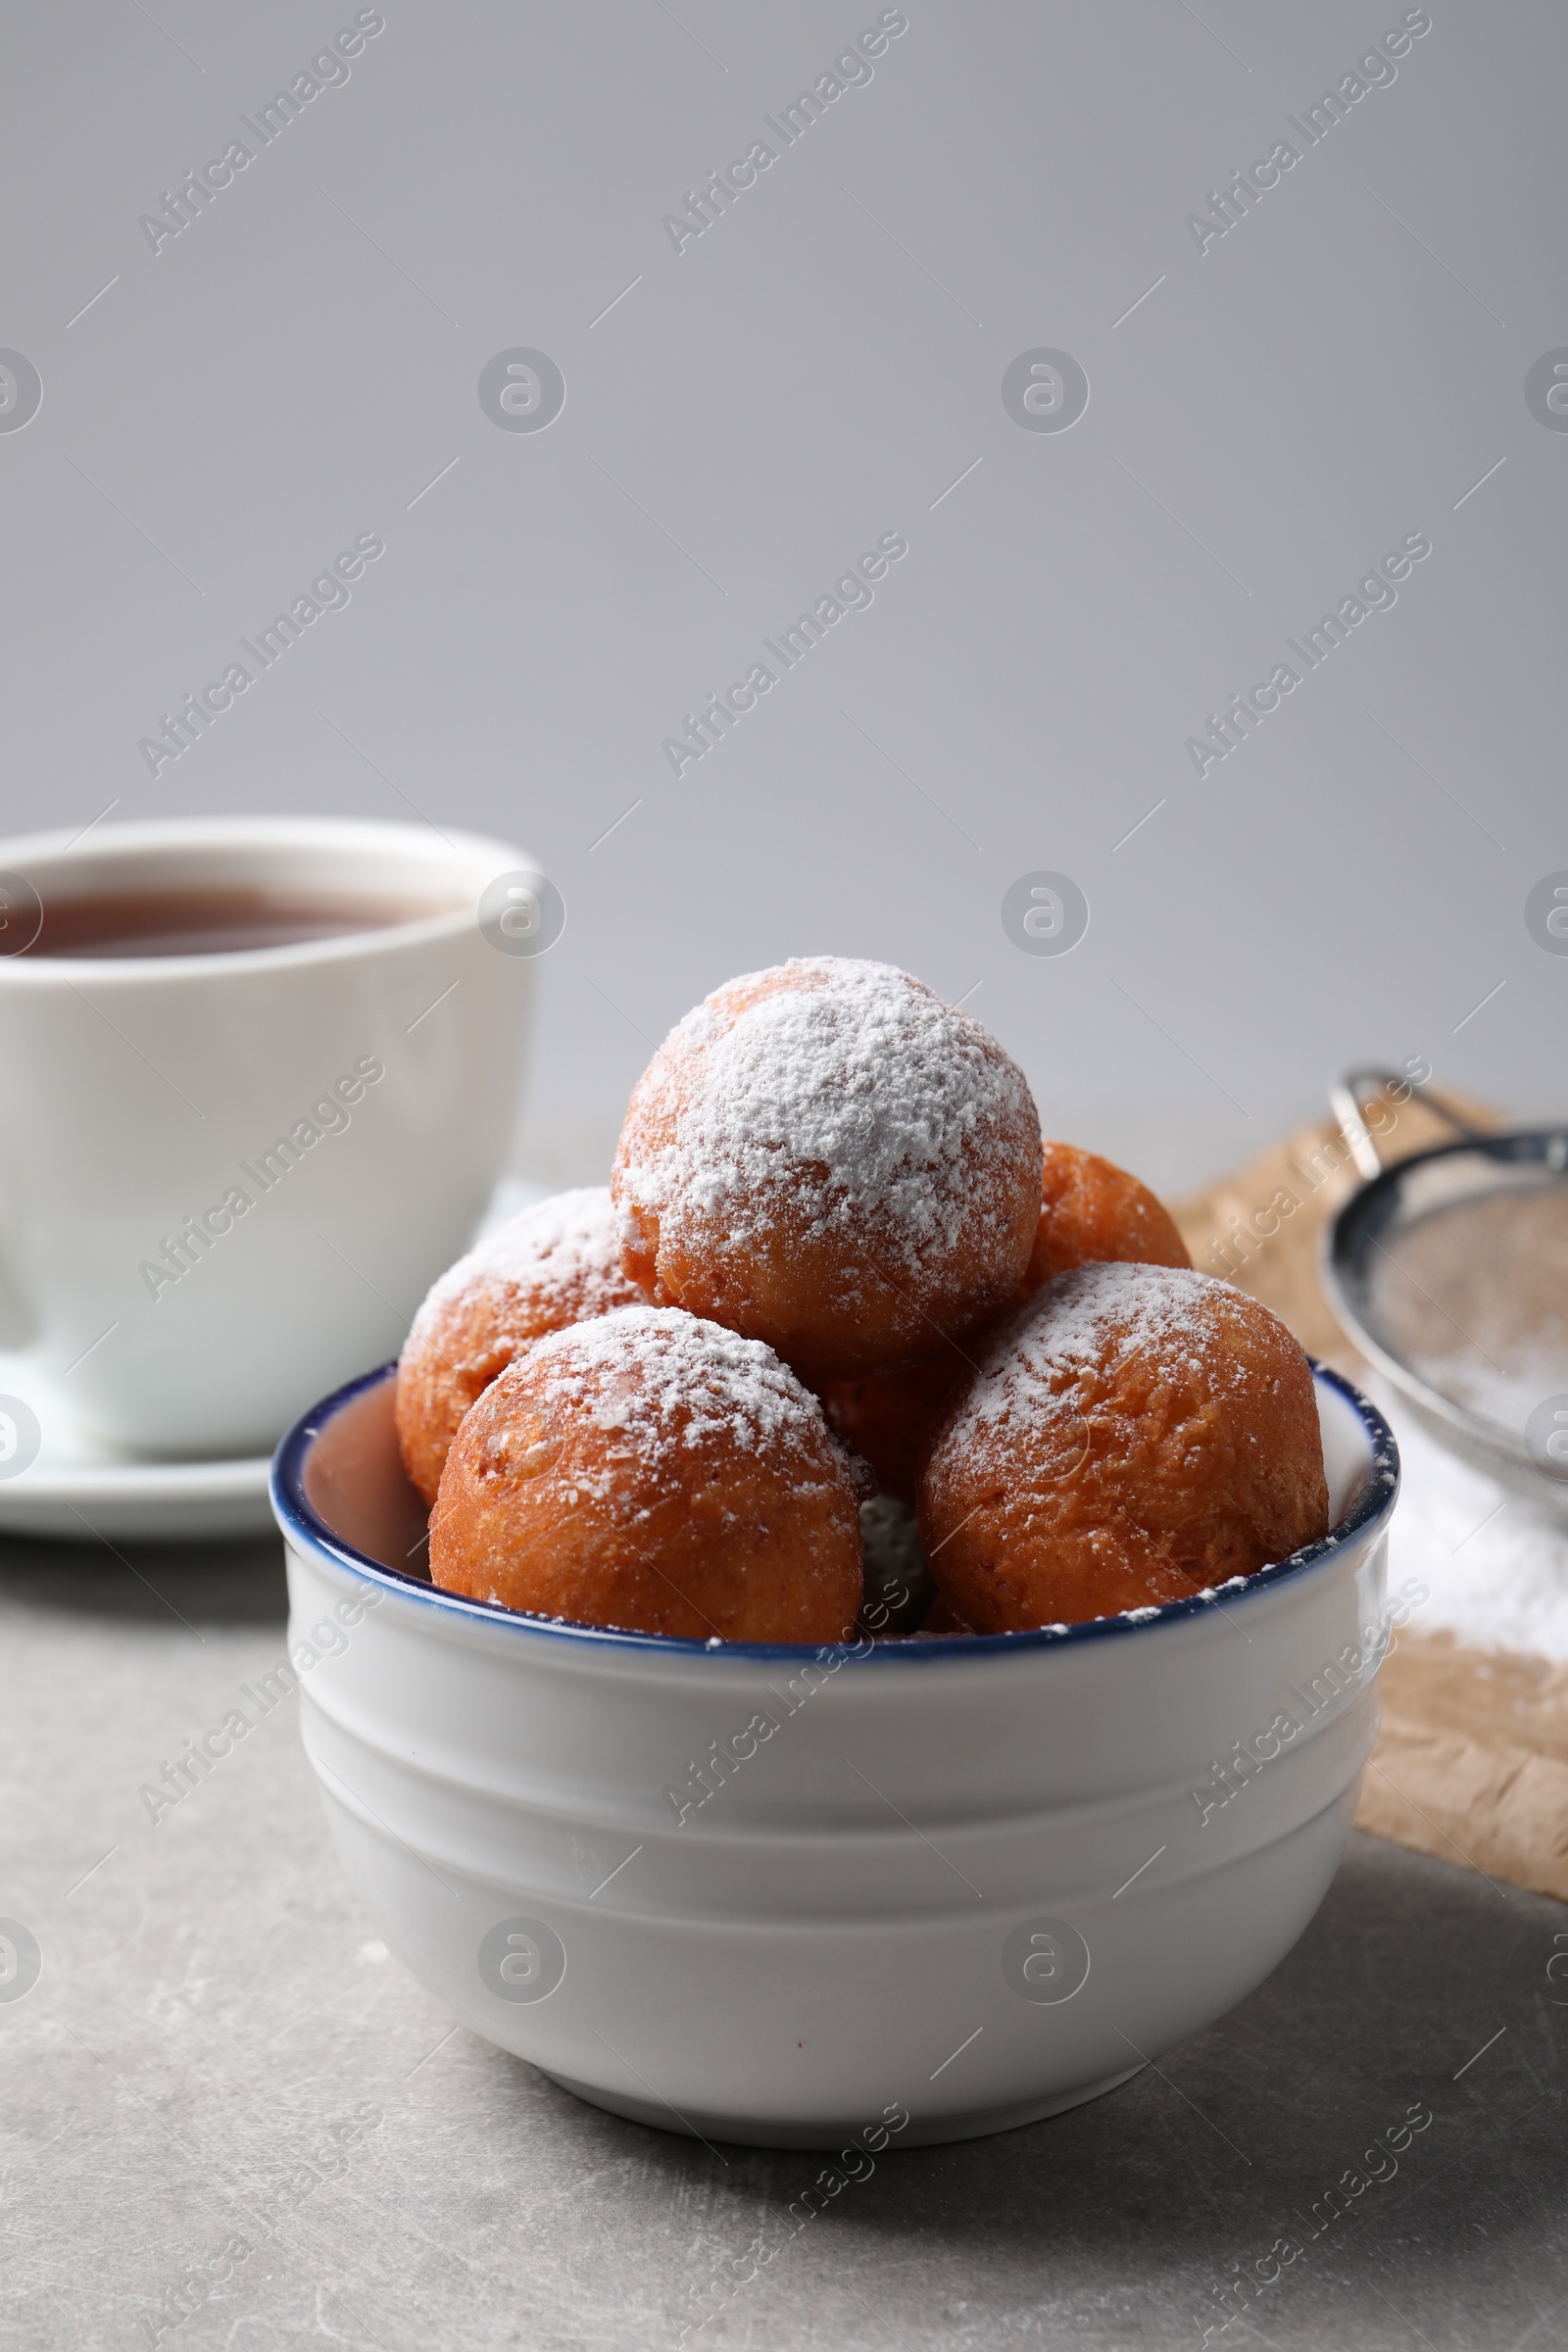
1276,414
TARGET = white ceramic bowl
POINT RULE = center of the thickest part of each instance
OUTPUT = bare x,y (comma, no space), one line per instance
964,1883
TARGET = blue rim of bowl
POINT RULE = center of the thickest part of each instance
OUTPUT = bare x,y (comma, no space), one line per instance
303,1526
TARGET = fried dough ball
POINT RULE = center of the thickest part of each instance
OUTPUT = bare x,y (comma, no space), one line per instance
652,1471
1091,1213
827,1158
1135,1435
891,1418
556,1263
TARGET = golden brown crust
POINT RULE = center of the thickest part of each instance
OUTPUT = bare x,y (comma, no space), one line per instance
892,1420
653,1472
1135,1435
827,1158
556,1264
1093,1213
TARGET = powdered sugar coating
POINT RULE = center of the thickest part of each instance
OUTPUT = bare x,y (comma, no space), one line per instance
556,1263
1134,1434
831,1122
653,1471
1070,1343
659,1382
857,1086
568,1245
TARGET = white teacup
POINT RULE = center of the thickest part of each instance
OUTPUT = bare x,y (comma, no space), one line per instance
227,1178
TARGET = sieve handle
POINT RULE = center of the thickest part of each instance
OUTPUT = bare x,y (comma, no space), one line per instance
1345,1100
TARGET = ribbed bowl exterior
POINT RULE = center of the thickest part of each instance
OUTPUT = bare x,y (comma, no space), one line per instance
778,1895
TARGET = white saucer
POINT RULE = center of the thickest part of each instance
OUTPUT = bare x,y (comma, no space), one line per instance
83,1487
80,1485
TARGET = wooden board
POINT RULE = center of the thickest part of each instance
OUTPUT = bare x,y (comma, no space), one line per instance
1472,1761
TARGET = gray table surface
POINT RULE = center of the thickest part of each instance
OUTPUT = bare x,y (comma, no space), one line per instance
211,2008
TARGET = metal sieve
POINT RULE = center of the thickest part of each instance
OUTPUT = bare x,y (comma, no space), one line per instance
1450,1270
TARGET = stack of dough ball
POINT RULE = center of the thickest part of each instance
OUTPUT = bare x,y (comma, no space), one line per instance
827,1158
1091,1213
1136,1434
556,1264
827,1176
654,1472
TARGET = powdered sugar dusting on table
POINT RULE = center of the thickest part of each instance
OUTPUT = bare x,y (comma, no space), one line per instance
1495,1574
859,1096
